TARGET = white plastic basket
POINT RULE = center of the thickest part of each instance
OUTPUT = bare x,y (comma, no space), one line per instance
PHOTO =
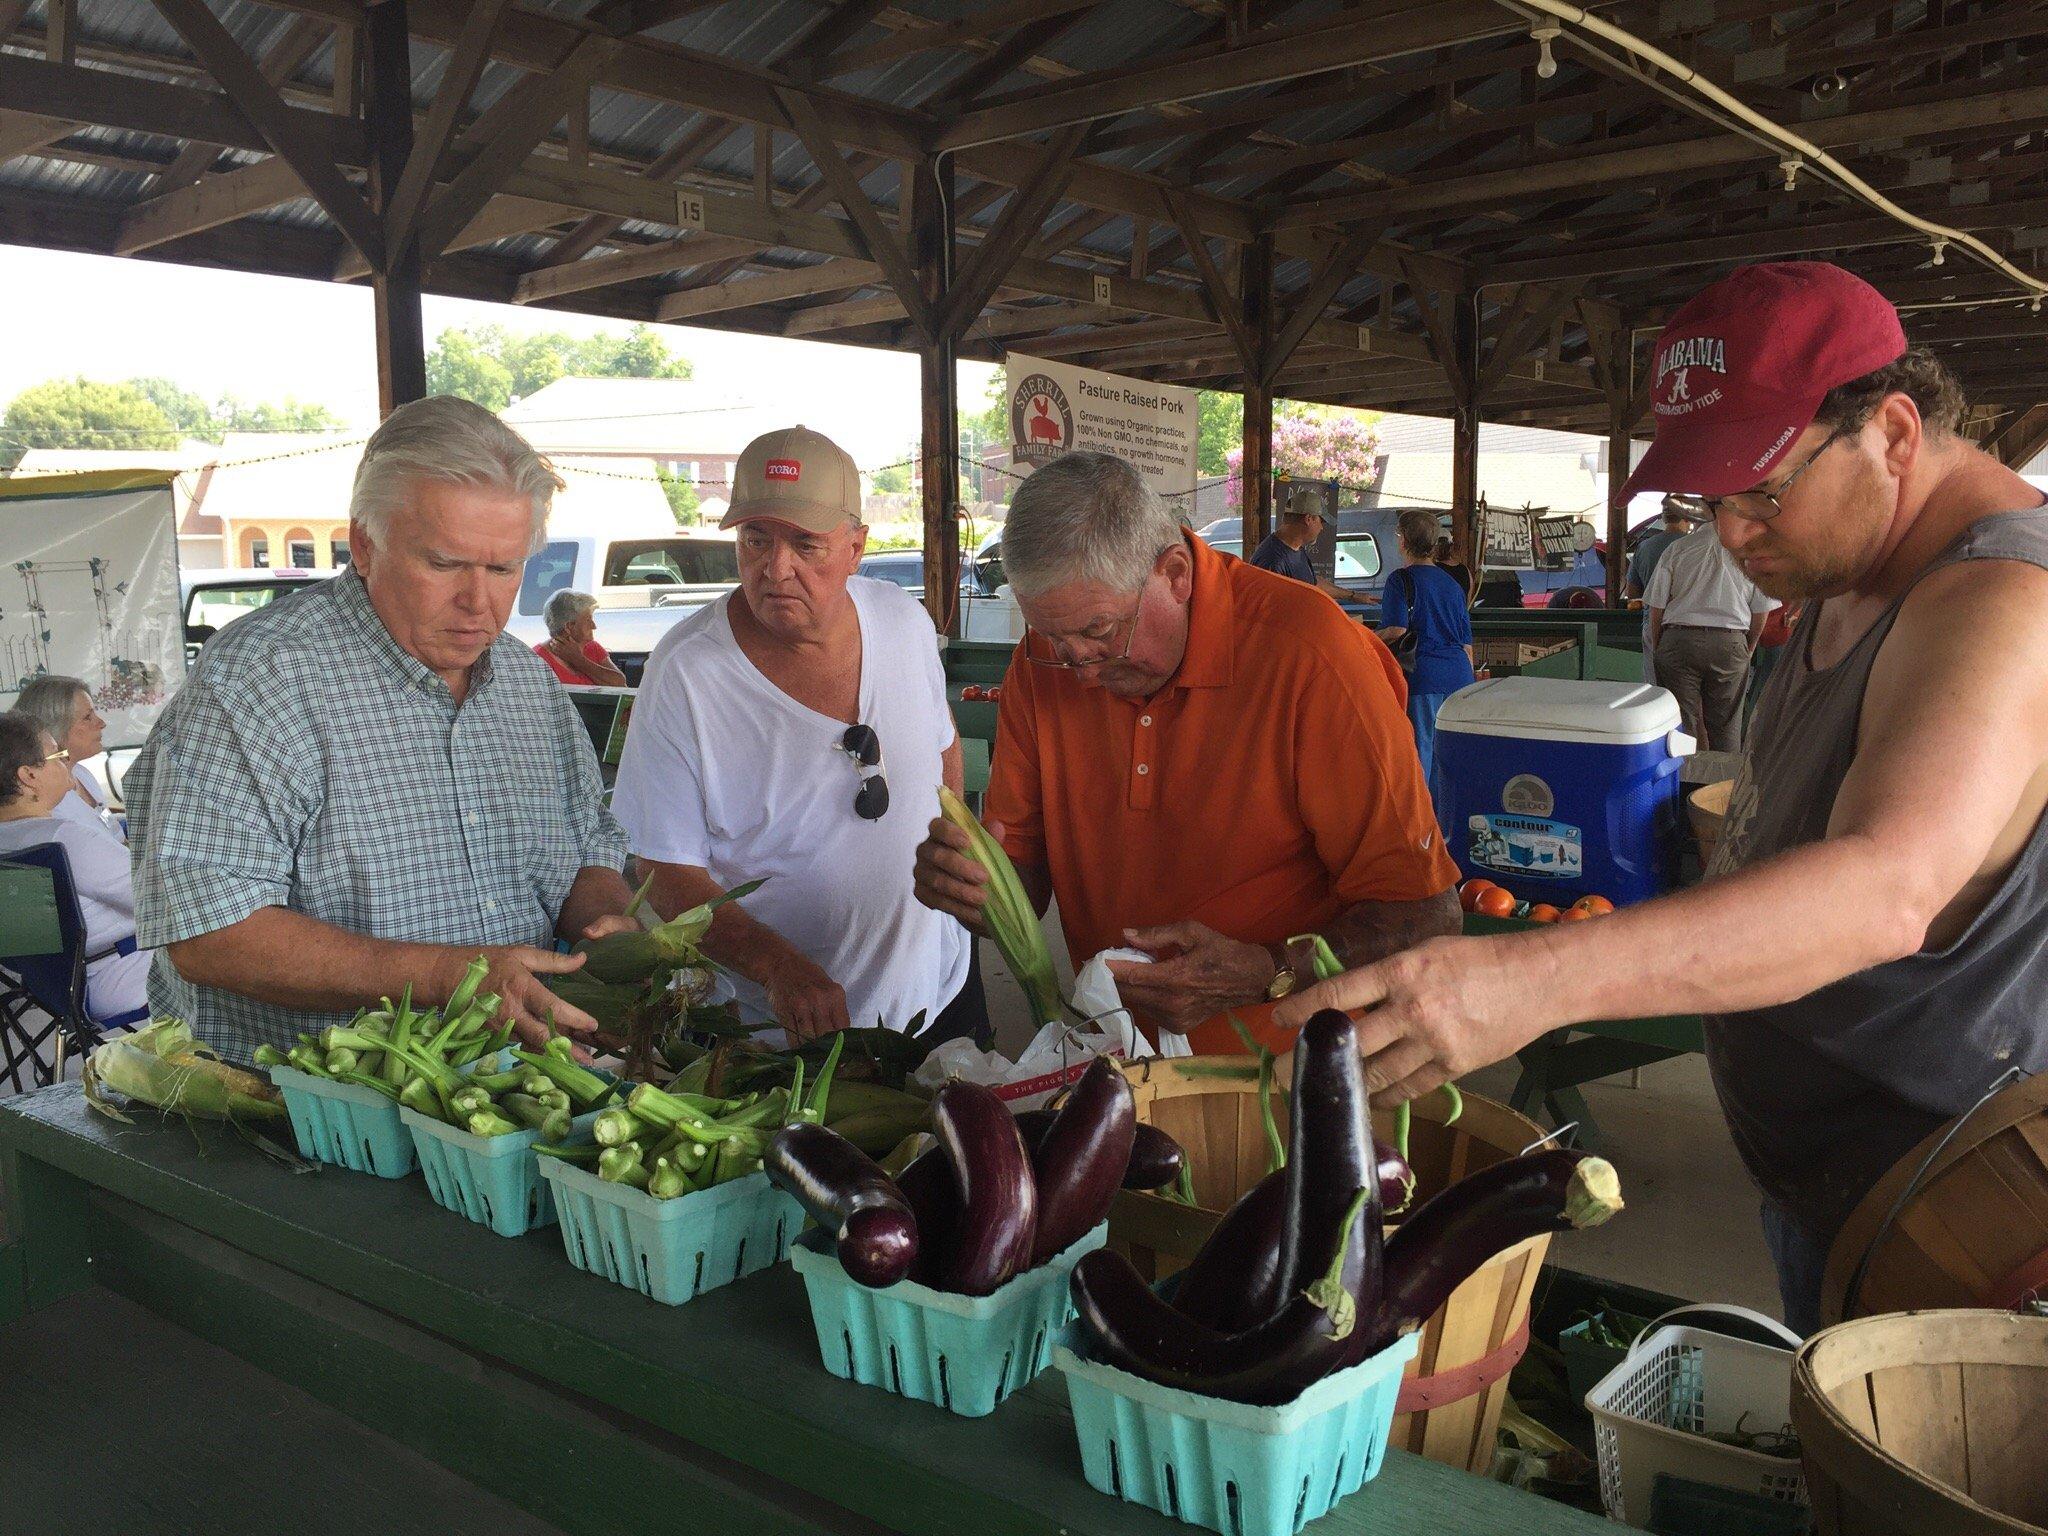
1653,1412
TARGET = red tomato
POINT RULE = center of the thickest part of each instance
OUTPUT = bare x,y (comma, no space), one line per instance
1494,902
1543,912
1594,906
1468,893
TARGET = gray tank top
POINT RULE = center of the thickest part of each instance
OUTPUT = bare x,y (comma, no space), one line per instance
1825,1094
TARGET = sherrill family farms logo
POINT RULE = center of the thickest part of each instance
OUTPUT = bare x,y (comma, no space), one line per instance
1041,422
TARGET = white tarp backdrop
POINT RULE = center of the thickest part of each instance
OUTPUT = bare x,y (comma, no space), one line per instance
1056,408
89,588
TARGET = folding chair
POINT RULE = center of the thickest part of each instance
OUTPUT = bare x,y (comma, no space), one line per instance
42,968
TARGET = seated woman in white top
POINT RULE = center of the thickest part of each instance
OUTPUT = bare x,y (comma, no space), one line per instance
35,777
63,706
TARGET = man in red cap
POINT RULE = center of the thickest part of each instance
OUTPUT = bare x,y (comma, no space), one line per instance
1883,872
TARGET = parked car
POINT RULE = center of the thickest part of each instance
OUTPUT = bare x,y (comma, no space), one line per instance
644,587
215,599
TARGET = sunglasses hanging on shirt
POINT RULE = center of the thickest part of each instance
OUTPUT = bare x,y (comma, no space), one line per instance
862,745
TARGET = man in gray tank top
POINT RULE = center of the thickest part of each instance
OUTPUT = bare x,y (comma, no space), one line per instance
1882,880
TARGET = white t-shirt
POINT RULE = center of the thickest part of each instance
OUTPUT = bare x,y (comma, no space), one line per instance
723,770
1697,582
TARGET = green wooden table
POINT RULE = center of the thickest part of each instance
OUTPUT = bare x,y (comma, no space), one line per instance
584,1405
1556,1065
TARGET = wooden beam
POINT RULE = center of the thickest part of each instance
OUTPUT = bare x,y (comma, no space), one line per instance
23,133
974,29
301,40
880,240
625,17
60,31
396,281
1977,108
259,101
932,235
524,117
1369,33
1021,222
459,76
1252,334
544,283
802,282
1224,306
1516,339
209,203
1338,268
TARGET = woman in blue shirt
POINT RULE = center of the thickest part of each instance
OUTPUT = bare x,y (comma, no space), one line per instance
1421,598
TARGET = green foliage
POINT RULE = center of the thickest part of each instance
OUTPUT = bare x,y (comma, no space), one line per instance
194,417
1219,428
894,479
82,413
188,412
681,491
494,366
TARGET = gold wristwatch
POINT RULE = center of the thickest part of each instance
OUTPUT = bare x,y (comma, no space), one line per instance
1285,977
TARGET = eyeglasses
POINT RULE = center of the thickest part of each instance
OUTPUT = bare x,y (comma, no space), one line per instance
862,744
1059,648
61,755
1762,506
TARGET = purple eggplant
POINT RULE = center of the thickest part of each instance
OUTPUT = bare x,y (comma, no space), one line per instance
1079,1164
846,1192
1155,1156
998,1196
1452,1234
1231,1284
1134,1330
1397,1179
935,1200
1330,1153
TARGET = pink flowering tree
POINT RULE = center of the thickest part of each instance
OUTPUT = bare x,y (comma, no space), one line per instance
1312,442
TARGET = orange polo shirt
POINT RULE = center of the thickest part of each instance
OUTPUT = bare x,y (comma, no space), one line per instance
1270,785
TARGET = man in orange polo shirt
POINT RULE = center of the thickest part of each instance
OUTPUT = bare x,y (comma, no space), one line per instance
1198,759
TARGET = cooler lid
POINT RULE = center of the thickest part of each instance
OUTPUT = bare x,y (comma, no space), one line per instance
1561,709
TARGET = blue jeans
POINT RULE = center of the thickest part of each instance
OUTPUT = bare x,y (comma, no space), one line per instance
1422,710
1801,1260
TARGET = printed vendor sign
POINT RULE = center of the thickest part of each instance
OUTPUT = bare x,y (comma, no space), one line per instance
1056,408
1527,846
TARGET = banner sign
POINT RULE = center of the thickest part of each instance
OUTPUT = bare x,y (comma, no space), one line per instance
89,589
1056,408
1505,542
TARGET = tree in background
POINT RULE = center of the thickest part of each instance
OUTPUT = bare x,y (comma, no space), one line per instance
681,491
494,366
188,412
80,413
192,416
894,479
1219,432
1314,442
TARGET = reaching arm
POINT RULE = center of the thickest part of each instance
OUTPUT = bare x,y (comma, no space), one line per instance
804,1000
600,893
1954,736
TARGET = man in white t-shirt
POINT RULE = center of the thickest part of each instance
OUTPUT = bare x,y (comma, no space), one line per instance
796,731
1704,617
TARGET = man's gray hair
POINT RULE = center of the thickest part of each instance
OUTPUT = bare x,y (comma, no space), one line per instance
1085,517
49,701
449,439
565,608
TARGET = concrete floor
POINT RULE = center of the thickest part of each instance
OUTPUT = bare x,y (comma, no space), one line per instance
1691,1225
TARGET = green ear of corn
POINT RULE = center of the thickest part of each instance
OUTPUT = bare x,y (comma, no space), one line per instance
639,957
1009,916
161,1065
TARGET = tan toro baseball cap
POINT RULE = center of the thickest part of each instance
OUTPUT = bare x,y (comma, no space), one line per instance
795,476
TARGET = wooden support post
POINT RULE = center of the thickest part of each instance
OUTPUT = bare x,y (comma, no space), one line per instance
1463,369
1618,439
931,253
1255,315
401,336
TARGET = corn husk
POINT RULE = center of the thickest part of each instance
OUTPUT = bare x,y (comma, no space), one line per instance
161,1065
1011,920
640,957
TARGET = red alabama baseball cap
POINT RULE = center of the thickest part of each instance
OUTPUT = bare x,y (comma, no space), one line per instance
1742,368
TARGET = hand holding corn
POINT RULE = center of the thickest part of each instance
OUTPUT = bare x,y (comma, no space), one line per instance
949,878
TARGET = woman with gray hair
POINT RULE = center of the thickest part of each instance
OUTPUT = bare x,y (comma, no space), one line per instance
571,649
63,707
1197,760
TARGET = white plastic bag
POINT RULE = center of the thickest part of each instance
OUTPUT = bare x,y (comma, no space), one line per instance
1058,1054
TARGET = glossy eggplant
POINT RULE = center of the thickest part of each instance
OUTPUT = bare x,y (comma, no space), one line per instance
927,1183
1397,1179
1079,1164
1452,1234
1155,1156
846,1192
1330,1153
1232,1282
998,1195
1134,1330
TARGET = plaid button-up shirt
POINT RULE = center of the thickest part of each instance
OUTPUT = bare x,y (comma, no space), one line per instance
311,763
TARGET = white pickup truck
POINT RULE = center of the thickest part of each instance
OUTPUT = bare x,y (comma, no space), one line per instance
644,587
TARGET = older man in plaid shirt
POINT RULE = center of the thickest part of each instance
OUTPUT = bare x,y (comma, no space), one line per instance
367,784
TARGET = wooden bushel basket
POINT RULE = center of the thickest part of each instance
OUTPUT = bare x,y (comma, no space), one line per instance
1457,1383
1926,1424
1974,1234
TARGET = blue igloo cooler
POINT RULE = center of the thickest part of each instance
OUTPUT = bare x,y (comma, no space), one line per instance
1562,789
